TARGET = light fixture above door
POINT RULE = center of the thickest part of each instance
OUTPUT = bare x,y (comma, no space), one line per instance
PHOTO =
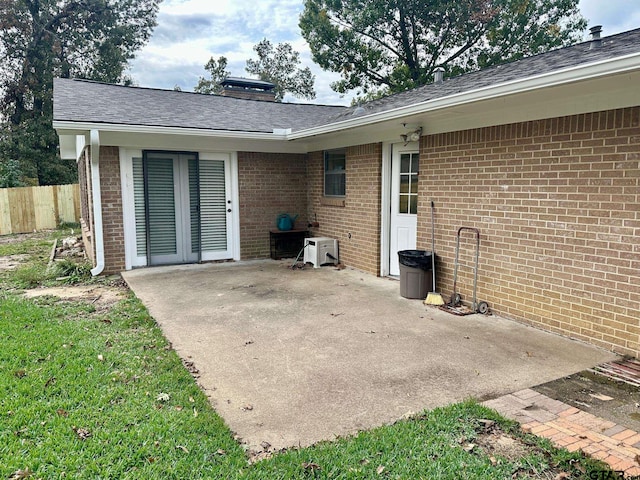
413,136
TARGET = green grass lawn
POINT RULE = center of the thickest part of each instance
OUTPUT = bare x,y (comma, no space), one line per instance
99,393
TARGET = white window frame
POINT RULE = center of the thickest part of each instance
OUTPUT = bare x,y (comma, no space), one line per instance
335,172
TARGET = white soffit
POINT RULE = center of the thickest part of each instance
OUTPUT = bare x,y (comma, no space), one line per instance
608,93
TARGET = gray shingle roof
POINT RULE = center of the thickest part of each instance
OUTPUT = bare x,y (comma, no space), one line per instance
611,47
94,102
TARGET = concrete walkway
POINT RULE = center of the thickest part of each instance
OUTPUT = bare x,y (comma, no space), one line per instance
294,357
573,429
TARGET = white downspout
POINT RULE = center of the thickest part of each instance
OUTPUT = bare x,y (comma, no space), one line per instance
97,202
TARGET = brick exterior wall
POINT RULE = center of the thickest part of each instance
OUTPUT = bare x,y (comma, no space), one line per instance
269,184
113,228
557,202
360,214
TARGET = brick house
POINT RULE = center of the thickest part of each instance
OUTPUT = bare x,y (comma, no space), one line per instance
541,155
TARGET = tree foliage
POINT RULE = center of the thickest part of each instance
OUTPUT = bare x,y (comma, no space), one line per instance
217,72
280,65
43,39
393,45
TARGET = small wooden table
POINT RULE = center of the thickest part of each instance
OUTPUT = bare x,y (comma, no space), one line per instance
286,243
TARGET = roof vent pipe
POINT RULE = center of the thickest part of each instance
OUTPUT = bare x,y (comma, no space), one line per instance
596,41
438,75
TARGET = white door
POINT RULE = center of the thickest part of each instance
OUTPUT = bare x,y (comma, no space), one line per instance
404,201
214,175
188,212
171,221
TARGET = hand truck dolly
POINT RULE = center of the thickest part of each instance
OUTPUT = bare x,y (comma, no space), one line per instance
455,304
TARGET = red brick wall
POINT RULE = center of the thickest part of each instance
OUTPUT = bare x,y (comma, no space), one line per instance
355,222
113,229
557,203
269,184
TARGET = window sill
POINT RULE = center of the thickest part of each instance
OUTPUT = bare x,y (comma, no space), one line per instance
332,201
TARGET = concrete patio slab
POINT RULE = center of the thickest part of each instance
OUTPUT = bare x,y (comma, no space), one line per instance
294,357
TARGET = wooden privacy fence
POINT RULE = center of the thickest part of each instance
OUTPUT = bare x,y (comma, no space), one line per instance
26,209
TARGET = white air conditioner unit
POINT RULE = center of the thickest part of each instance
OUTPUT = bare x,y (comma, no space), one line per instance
320,251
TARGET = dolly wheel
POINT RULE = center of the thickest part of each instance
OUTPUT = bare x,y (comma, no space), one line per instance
483,308
456,299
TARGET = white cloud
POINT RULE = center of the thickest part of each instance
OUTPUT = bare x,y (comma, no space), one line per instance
189,32
204,7
615,16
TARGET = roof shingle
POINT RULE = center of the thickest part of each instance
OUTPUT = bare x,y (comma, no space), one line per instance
93,102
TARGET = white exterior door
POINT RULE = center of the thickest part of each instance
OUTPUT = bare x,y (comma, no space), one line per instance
171,220
215,206
186,203
404,201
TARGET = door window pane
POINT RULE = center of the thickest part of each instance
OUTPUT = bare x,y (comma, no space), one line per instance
404,203
415,162
162,209
404,183
413,204
213,205
413,187
405,163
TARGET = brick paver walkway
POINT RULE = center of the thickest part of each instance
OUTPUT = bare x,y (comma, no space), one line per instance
573,429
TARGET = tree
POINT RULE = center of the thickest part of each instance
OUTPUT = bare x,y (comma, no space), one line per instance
388,46
218,72
10,174
280,66
42,39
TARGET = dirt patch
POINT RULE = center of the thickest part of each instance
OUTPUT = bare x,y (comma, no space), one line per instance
21,237
501,446
102,296
598,395
11,262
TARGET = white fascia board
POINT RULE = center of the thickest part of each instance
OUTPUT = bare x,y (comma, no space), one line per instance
63,126
578,73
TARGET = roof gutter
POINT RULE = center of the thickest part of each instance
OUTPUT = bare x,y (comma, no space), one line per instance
98,232
589,71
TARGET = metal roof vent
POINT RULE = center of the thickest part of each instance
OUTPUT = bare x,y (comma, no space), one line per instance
359,110
596,41
438,75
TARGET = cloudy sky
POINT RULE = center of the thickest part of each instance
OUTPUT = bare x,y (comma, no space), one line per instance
189,32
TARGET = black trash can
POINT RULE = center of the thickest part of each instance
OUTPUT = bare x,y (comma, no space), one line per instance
415,273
